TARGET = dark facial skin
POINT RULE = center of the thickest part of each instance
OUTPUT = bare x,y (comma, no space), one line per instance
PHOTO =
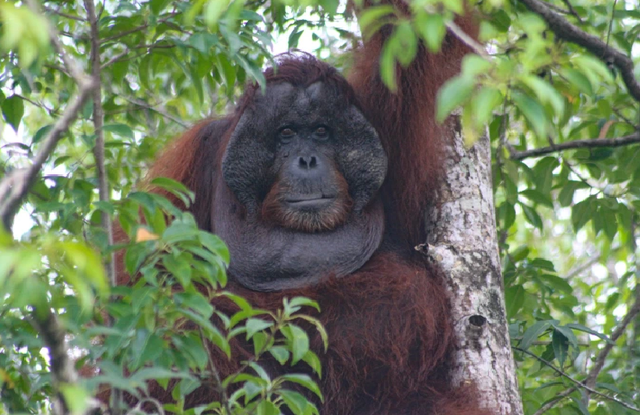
306,167
310,195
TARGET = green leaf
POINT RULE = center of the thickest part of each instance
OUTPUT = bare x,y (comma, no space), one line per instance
474,65
225,68
144,199
388,66
294,38
13,110
314,362
177,232
566,194
176,188
533,112
406,43
214,244
557,283
595,66
567,333
609,222
432,29
76,398
506,214
296,302
41,133
280,353
196,302
156,372
158,5
298,342
321,330
452,94
514,299
484,103
580,327
581,213
255,325
532,216
267,408
371,19
537,197
297,403
135,256
545,93
119,129
303,380
214,10
578,80
560,346
534,332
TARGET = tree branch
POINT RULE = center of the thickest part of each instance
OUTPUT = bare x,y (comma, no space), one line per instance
467,40
15,186
62,369
591,262
567,31
590,381
99,155
116,58
570,145
98,122
576,381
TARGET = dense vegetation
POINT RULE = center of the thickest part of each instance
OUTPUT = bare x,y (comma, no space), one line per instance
90,93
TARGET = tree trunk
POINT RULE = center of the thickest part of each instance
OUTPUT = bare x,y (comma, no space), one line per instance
463,241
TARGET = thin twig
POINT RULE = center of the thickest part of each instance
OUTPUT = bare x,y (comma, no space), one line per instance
57,68
216,376
135,29
50,111
567,31
467,40
574,380
126,52
591,262
623,118
570,145
154,109
558,9
613,11
544,408
59,13
115,58
572,11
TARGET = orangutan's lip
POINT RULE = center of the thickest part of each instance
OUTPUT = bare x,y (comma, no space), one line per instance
309,201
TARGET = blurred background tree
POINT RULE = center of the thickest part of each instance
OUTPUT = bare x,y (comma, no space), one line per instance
90,93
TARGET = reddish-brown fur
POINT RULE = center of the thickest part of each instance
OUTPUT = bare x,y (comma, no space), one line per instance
388,323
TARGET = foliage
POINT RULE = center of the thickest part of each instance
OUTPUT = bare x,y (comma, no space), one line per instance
567,220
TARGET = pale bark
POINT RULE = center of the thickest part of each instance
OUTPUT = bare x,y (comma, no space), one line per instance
463,241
